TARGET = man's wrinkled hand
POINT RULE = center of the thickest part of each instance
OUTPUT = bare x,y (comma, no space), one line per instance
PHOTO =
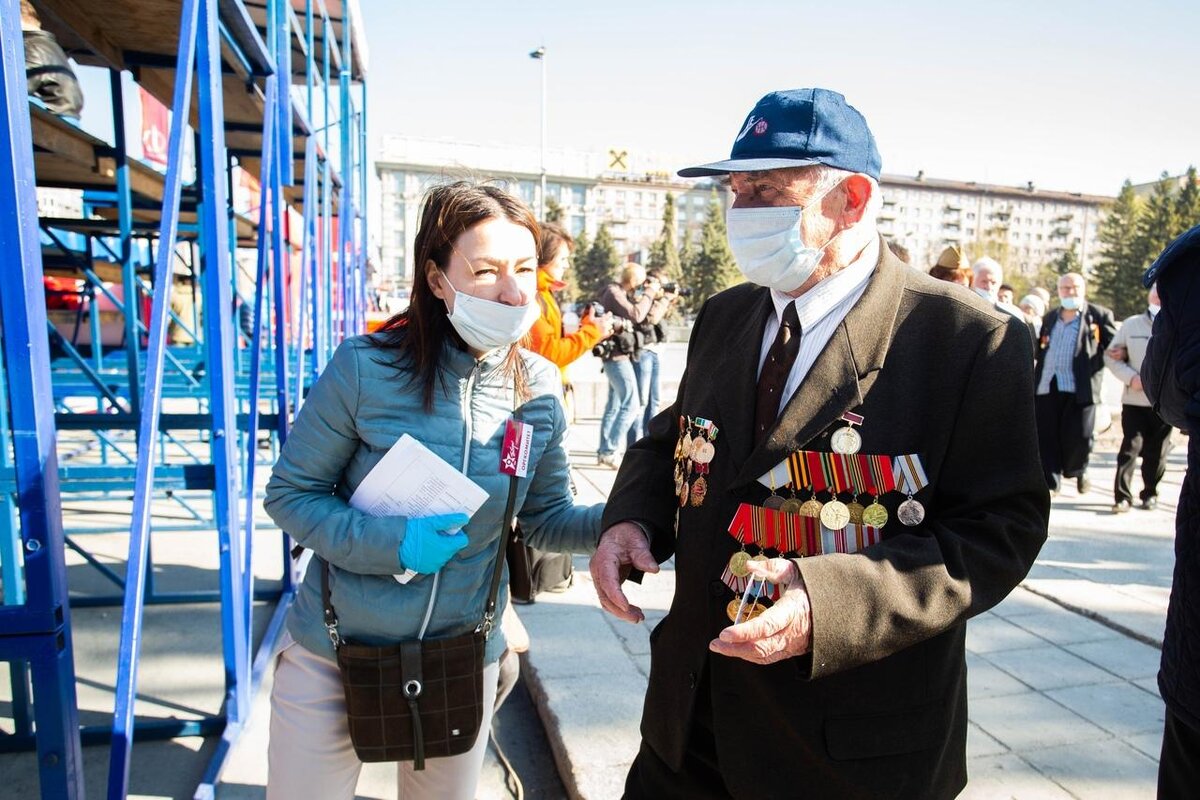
622,547
782,631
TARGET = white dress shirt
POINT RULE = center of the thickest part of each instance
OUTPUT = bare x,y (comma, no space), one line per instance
821,309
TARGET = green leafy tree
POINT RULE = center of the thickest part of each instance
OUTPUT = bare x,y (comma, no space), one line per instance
1187,203
1118,272
664,254
598,268
713,267
554,212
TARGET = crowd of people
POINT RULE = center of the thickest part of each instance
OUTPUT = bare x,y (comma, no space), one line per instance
1073,342
839,490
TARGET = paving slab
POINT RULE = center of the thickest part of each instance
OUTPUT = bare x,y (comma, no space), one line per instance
1126,657
1009,777
1048,667
1109,770
1028,721
1119,707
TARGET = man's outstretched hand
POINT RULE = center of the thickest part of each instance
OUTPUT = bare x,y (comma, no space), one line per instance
622,547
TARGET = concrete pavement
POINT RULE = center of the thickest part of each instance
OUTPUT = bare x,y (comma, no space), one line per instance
1062,693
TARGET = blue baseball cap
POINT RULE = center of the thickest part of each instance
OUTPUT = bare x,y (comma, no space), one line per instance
797,128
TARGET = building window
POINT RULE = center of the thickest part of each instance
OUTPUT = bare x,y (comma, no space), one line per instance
578,195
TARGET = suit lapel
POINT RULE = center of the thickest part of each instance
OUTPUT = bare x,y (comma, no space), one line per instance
737,373
842,374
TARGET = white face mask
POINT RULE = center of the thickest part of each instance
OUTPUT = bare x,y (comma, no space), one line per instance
486,325
985,294
1070,303
769,248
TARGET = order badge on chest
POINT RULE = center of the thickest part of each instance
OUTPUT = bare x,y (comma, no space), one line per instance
694,452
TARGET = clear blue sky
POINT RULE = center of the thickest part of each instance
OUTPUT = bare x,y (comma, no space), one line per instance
1073,95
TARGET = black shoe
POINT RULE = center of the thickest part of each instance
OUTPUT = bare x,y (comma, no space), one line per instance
1083,484
1149,503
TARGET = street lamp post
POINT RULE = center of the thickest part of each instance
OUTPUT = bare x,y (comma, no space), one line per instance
540,55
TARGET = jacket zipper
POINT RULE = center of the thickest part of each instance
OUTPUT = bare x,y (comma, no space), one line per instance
466,409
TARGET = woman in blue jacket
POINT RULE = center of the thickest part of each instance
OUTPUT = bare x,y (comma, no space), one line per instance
448,372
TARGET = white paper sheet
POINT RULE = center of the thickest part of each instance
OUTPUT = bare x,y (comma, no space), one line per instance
411,481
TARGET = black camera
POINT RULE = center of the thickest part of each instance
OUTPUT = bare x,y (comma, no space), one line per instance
597,309
675,289
623,342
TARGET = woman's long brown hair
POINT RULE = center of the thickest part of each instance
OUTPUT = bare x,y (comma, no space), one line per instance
419,333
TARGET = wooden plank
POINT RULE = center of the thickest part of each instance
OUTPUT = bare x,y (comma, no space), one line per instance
69,20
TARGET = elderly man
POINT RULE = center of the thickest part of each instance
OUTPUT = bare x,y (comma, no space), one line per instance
822,414
986,279
1068,372
1143,432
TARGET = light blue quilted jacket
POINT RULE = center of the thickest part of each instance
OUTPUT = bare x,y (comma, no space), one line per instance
356,411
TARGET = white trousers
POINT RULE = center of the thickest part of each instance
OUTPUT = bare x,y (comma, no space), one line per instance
310,755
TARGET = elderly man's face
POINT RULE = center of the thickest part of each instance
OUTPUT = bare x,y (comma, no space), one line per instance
1070,286
786,187
985,279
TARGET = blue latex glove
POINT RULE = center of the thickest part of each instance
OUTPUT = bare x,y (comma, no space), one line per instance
429,542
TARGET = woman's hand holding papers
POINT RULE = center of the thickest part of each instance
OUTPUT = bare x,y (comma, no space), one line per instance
429,542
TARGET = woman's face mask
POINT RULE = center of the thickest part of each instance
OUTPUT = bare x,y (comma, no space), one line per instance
769,247
486,325
490,284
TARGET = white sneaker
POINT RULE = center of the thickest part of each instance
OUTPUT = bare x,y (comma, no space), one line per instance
610,460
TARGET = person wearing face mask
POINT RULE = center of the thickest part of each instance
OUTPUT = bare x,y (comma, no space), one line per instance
449,372
1143,432
1068,373
986,280
828,365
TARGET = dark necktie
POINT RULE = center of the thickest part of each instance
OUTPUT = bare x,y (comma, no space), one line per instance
775,371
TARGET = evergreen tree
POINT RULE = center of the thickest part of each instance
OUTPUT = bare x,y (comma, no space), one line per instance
664,254
1157,225
554,212
1187,203
713,268
598,268
1118,272
572,293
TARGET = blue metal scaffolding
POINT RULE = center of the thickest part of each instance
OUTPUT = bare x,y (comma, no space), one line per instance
178,406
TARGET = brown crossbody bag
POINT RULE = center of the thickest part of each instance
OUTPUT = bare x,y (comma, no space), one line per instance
422,698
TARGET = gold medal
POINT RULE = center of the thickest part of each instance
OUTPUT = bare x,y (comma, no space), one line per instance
845,441
704,453
910,512
683,494
699,490
810,508
835,515
731,610
737,564
875,515
791,506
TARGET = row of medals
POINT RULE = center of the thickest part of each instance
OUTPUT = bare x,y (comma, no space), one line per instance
692,456
833,513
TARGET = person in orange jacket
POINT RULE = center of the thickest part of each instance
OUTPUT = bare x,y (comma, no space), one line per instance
546,336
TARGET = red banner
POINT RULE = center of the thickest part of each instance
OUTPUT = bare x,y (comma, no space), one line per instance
155,129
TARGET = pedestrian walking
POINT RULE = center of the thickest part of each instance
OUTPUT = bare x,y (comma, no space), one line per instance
1068,372
1143,432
